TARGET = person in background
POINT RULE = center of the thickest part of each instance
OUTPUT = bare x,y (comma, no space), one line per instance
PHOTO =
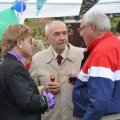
50,69
20,98
118,30
37,45
96,91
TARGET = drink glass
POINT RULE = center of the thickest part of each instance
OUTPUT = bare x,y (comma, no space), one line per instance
52,77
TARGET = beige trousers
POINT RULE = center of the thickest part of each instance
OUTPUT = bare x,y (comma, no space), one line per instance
108,117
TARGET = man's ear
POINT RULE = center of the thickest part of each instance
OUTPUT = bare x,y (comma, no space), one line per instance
93,28
47,39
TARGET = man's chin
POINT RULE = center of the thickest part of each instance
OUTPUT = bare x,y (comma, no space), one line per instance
62,47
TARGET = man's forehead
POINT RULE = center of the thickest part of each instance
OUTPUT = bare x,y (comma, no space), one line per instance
57,25
58,28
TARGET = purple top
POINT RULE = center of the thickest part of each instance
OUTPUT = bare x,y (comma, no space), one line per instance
17,56
50,98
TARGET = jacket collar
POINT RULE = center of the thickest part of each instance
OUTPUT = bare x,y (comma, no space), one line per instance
8,55
93,44
50,54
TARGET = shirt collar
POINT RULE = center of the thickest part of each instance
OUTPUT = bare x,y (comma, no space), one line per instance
51,53
17,56
64,53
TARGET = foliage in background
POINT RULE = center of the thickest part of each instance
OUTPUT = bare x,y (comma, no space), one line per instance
37,26
114,22
38,29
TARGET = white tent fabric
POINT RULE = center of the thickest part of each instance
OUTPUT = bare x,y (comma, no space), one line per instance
60,8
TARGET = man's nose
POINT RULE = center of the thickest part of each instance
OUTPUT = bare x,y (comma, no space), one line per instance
62,36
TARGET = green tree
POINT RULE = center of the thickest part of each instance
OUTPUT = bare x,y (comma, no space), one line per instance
114,22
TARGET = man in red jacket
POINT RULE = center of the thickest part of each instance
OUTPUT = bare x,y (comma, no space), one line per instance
96,92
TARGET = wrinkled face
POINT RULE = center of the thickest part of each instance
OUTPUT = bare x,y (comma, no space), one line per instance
84,32
88,32
58,37
26,46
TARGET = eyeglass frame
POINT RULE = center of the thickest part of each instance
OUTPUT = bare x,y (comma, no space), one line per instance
30,42
80,29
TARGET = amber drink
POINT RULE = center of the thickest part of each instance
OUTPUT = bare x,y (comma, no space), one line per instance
52,78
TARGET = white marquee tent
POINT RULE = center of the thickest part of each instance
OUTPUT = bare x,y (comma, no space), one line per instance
60,8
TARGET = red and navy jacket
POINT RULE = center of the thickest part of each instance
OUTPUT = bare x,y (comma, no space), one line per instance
97,89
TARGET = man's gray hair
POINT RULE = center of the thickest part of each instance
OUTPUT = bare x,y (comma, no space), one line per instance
97,18
47,26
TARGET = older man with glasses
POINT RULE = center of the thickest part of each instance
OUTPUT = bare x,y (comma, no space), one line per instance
96,90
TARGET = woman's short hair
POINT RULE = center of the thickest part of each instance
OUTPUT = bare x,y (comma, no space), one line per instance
12,34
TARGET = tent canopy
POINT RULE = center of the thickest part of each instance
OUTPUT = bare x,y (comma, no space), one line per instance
60,8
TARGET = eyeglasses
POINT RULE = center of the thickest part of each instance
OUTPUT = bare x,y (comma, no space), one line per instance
30,41
80,29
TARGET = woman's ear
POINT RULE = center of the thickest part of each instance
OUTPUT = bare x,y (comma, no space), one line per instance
19,44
